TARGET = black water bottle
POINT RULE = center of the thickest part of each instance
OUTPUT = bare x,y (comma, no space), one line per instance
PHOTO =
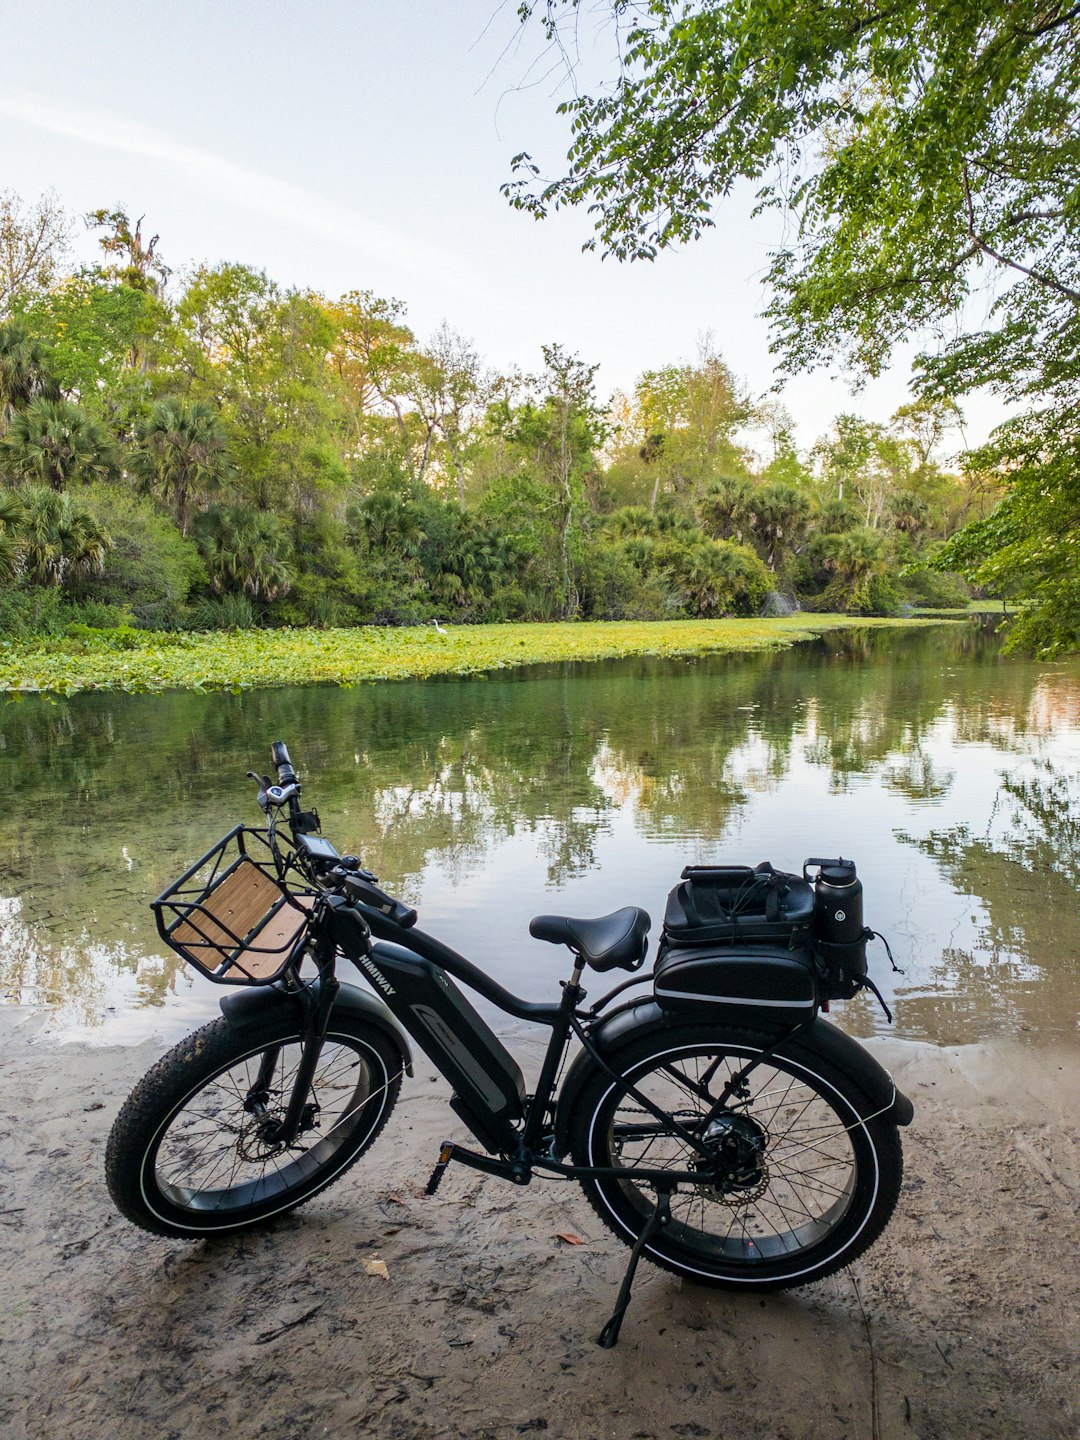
838,903
838,925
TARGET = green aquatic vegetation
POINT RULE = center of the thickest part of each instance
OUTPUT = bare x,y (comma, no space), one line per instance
256,659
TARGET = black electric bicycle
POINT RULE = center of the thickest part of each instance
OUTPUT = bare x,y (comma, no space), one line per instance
717,1124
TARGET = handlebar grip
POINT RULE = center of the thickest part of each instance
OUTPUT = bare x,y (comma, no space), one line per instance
279,754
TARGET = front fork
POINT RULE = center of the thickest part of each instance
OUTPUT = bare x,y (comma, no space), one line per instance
300,1113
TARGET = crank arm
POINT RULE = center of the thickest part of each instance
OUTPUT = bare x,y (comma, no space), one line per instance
516,1171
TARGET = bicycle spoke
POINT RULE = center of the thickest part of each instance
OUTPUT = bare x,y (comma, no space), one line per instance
213,1156
806,1173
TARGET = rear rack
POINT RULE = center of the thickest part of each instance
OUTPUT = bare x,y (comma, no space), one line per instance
231,914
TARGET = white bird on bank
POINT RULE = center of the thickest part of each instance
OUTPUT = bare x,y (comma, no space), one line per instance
438,627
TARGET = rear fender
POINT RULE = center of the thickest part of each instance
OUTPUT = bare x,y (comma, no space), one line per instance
642,1018
249,1009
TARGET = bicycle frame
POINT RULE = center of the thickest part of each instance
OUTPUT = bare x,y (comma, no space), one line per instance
412,973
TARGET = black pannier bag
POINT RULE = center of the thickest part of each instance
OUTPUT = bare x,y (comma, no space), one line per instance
766,943
766,984
717,903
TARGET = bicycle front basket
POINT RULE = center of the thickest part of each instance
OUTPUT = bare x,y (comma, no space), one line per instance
231,916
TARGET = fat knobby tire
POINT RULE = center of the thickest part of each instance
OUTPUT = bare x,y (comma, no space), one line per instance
823,1190
192,1103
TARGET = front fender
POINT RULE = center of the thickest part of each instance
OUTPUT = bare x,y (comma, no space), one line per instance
641,1018
247,1010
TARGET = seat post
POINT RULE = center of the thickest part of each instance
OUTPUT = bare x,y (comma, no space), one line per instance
537,1122
573,994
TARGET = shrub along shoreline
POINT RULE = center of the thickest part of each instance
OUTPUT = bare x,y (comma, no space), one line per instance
142,661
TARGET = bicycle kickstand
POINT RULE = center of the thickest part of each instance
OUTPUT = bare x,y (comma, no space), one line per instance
661,1216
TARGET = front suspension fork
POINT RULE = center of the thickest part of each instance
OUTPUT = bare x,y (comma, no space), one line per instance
298,1113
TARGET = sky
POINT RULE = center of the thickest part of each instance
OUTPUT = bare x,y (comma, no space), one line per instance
360,144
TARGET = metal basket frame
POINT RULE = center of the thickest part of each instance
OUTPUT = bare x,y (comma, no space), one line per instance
232,916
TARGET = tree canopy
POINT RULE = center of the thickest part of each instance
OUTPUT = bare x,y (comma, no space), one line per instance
927,150
920,144
210,448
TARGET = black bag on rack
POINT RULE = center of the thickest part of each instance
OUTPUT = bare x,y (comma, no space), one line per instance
718,904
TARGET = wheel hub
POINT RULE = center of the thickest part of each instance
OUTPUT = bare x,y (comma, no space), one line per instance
734,1171
260,1140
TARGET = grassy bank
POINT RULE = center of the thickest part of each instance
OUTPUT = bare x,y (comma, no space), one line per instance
258,658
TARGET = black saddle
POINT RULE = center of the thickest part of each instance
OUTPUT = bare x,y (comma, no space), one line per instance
612,941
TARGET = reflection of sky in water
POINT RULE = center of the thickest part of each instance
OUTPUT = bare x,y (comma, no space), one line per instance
946,772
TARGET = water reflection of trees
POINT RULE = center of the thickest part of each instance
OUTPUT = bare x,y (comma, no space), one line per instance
109,796
1024,973
918,775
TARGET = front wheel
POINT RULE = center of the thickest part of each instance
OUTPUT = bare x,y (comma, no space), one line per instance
192,1151
800,1176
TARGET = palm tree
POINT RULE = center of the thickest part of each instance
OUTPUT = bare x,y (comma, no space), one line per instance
836,517
390,522
11,514
715,579
244,550
779,515
855,559
57,539
725,509
24,373
908,512
55,443
631,522
182,454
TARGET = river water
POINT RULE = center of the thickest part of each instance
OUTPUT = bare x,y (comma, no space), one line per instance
949,772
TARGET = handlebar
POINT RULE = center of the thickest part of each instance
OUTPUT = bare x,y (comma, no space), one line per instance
318,858
279,754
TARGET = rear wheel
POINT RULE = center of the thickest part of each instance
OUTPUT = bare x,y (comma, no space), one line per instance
192,1151
800,1175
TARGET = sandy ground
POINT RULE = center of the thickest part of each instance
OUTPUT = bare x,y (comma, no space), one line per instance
961,1322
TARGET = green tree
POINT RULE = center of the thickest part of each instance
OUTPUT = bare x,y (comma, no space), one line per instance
59,539
926,151
908,512
928,139
857,562
1030,544
421,405
557,433
689,415
140,267
726,508
150,570
261,357
11,515
457,399
102,338
391,521
246,552
55,443
786,467
779,517
713,577
520,504
846,454
631,522
372,349
181,454
25,368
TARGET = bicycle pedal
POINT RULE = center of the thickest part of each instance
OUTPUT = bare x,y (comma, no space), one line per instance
446,1154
